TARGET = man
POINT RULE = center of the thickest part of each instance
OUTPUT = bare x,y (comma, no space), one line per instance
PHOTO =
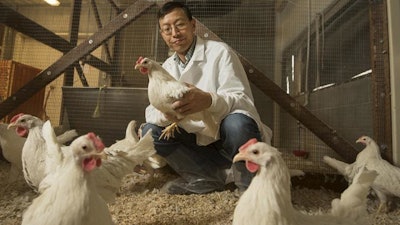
218,83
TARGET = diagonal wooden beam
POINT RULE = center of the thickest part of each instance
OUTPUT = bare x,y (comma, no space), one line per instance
323,131
87,46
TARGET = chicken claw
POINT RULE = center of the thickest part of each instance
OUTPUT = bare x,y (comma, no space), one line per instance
169,131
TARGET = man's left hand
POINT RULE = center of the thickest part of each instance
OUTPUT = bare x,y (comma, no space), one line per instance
193,101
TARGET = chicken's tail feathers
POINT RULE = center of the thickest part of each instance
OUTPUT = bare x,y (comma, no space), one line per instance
145,145
336,164
120,163
353,201
131,131
67,136
54,155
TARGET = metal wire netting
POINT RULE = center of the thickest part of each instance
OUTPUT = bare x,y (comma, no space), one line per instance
318,52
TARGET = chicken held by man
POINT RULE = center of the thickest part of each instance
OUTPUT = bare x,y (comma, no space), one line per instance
163,91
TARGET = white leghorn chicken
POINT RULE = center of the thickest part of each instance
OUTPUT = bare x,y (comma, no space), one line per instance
387,184
267,201
11,145
73,199
33,151
122,157
163,90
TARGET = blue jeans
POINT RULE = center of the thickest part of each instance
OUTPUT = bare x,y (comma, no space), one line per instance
235,130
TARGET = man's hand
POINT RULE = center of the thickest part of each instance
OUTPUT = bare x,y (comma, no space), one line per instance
195,100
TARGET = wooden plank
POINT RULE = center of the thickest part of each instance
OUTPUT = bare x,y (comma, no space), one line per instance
52,72
381,102
322,130
14,75
73,40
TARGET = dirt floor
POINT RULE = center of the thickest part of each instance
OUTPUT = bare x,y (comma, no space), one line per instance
140,202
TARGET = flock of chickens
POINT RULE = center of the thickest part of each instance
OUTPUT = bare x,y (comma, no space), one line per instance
79,179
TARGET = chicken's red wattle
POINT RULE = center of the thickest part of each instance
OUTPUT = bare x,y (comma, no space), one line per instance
22,131
88,164
252,167
144,70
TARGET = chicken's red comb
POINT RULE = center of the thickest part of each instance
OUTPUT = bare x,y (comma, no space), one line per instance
16,117
97,141
248,143
139,59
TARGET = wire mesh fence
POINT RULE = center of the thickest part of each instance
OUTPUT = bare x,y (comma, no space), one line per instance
318,52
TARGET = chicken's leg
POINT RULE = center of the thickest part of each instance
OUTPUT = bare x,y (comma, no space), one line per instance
169,131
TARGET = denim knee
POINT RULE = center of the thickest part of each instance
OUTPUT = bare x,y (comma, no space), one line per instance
155,129
236,129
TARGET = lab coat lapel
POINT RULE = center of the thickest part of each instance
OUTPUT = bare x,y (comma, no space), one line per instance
198,57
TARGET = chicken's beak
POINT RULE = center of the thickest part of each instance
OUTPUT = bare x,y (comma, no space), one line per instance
11,125
241,156
138,66
360,140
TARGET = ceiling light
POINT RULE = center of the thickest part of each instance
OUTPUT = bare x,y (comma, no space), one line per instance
52,2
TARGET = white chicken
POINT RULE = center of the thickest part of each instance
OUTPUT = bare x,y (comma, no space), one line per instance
267,201
34,150
387,184
153,162
163,90
11,145
122,157
73,199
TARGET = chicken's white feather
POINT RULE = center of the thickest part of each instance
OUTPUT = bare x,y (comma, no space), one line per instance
386,183
163,90
267,201
73,199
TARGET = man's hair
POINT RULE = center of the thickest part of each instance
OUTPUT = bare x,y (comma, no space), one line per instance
169,6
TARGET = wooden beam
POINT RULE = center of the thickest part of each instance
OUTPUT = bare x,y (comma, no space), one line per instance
322,130
73,40
381,102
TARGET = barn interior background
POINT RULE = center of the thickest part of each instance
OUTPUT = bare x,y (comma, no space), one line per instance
322,72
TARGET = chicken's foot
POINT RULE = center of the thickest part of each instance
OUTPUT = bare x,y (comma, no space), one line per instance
169,131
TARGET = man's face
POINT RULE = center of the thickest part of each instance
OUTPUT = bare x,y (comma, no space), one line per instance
177,31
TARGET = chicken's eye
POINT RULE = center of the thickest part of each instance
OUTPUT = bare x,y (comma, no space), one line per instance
84,147
256,152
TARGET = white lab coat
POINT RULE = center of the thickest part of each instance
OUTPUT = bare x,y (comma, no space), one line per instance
214,68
